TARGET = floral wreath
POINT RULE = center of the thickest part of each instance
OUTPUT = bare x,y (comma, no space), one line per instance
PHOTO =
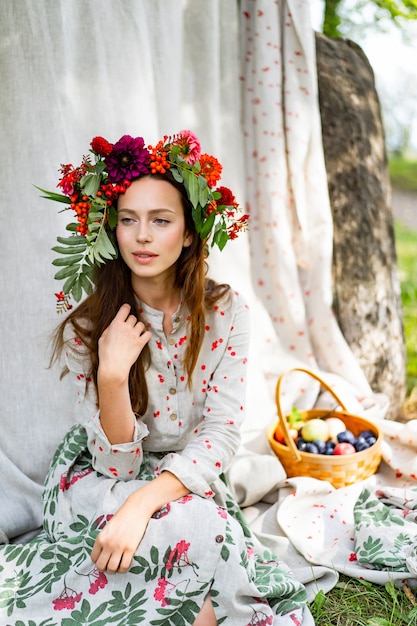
92,190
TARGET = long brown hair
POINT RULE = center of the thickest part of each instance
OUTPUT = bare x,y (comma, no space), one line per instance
114,288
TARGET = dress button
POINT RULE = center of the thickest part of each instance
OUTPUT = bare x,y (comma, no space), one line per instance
172,391
171,341
219,539
173,416
177,319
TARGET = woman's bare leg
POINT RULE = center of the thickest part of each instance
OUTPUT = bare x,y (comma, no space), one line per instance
206,617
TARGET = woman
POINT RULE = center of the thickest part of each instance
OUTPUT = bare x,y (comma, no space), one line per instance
139,525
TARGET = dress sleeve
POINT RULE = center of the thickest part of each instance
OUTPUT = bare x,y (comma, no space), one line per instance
210,452
121,461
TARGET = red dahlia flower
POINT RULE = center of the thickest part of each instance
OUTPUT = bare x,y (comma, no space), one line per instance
101,146
226,198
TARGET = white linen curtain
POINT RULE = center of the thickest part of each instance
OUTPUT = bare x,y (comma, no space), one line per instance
73,70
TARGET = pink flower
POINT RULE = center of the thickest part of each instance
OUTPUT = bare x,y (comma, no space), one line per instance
189,144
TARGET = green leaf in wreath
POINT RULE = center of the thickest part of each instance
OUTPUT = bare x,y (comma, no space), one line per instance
90,184
176,175
69,249
56,197
68,260
191,184
112,217
207,225
67,271
73,240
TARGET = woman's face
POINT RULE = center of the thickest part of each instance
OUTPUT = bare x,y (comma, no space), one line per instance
151,229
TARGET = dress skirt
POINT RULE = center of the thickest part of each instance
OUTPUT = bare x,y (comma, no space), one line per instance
192,547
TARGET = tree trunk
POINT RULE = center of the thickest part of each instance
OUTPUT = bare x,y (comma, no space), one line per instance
366,290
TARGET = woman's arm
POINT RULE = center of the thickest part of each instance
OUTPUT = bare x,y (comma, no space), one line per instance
117,542
119,347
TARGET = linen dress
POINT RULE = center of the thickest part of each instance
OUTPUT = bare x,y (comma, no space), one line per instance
193,546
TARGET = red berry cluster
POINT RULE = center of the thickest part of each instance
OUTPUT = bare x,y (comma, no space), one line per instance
82,204
158,163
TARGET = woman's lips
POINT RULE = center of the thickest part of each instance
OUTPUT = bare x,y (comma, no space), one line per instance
144,257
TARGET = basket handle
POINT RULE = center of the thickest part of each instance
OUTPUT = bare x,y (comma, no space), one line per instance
283,421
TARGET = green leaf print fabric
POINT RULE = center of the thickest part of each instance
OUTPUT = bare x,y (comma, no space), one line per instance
385,529
192,547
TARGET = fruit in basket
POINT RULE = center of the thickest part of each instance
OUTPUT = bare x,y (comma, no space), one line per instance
315,428
336,426
344,448
279,433
346,436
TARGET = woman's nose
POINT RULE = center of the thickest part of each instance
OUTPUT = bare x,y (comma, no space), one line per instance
143,232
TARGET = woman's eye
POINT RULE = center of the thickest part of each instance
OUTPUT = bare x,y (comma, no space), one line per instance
126,220
160,220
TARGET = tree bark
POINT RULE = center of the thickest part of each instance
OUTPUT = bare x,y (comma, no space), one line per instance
367,301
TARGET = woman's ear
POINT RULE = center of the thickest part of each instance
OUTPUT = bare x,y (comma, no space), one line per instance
188,240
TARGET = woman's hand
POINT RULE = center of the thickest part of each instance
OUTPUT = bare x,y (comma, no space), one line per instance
120,345
118,348
118,541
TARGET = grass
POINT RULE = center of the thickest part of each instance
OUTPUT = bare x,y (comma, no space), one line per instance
354,602
406,244
403,173
359,603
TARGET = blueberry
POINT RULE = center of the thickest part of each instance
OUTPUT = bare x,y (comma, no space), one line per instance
346,437
367,434
328,451
300,443
310,447
371,440
360,439
361,445
320,445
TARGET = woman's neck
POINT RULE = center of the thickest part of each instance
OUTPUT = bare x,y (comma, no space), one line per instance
160,297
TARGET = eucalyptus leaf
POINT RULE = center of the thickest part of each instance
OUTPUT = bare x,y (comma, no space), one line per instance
68,260
72,227
67,271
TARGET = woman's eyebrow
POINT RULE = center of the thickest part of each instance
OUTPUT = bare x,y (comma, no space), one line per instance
150,212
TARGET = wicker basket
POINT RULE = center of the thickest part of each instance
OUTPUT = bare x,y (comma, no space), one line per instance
339,470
